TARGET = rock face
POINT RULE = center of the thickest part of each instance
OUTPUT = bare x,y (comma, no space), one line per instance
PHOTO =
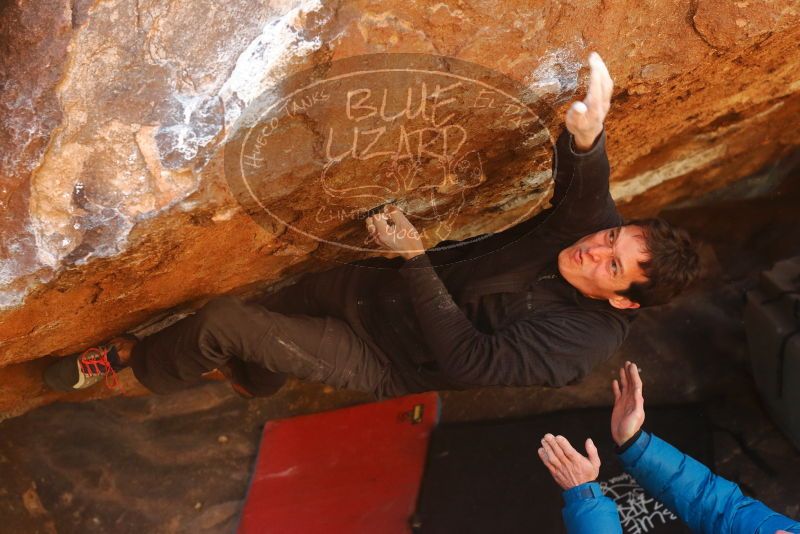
119,118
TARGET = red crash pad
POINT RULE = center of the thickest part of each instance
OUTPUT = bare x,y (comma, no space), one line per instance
347,471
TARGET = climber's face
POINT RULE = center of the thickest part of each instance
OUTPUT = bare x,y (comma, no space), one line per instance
600,265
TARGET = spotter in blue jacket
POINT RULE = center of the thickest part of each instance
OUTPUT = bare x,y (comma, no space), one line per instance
707,503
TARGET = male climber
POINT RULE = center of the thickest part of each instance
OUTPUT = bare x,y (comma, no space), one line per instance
538,304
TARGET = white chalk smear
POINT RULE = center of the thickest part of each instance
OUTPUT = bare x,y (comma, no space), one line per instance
266,59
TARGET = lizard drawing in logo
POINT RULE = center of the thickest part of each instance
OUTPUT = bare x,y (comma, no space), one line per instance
432,190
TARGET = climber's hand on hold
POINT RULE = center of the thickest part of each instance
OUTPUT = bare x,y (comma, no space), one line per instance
391,229
585,119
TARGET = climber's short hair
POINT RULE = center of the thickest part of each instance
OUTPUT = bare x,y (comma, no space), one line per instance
673,265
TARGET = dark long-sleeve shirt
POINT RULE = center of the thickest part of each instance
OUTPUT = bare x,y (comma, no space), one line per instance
502,314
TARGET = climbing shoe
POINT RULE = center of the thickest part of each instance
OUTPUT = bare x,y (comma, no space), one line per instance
80,371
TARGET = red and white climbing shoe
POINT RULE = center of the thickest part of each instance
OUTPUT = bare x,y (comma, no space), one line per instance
80,371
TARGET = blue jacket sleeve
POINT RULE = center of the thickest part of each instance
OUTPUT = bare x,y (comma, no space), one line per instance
706,502
588,511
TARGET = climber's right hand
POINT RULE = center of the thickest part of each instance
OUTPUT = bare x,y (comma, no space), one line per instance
585,119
